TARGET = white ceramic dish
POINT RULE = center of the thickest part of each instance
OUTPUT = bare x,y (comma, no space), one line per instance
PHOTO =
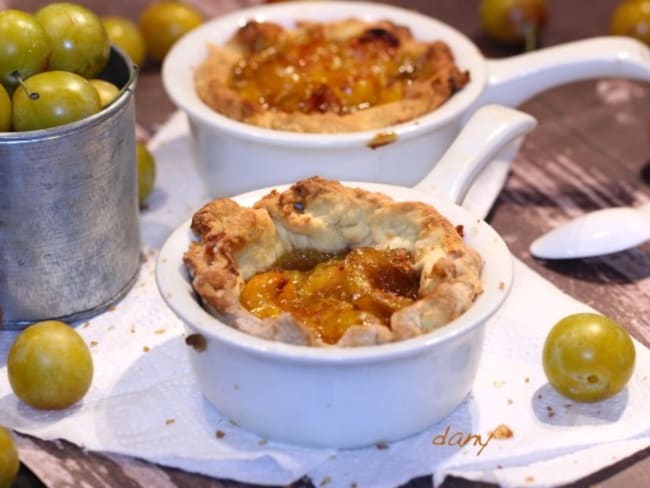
352,397
233,157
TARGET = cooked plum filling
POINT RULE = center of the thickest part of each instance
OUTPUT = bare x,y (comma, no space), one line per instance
341,76
311,73
329,293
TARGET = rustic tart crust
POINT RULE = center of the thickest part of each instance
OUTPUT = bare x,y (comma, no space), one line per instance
234,243
441,78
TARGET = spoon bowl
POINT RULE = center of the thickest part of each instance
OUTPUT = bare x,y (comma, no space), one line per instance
597,233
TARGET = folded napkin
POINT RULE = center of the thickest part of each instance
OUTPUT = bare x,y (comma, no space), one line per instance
144,401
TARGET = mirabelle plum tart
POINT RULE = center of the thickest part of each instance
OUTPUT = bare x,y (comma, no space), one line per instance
385,270
341,76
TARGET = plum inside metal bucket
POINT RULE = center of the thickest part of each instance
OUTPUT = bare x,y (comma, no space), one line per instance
69,228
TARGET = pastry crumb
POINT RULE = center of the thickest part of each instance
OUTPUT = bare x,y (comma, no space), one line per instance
262,442
145,349
382,139
502,431
529,479
169,421
220,434
160,331
382,445
197,341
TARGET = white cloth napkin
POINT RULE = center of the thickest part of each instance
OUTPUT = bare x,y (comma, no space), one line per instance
144,401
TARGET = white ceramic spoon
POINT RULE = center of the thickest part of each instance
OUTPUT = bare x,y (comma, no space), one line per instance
595,234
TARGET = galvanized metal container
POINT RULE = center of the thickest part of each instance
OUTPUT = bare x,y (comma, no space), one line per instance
69,229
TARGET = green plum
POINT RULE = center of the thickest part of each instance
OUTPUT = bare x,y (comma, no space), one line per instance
163,22
513,22
9,463
24,48
632,19
107,91
5,110
77,37
146,165
588,357
51,99
50,366
125,35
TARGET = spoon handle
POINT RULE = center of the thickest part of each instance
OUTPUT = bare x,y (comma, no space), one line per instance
645,207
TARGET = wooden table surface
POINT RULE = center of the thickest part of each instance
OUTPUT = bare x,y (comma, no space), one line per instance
590,150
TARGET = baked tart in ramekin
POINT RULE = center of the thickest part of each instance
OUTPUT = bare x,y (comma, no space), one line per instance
327,77
324,264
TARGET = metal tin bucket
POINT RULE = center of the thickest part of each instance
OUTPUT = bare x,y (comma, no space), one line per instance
69,216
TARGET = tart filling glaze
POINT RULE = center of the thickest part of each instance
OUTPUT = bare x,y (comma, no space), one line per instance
341,76
417,276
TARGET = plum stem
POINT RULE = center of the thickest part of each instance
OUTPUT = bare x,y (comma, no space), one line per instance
21,82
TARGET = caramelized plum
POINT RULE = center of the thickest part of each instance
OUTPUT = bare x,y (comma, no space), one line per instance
365,286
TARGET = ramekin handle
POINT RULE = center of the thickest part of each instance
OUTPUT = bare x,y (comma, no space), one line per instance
513,80
486,132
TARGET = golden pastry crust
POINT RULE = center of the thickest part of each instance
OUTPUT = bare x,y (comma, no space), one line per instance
234,243
389,77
